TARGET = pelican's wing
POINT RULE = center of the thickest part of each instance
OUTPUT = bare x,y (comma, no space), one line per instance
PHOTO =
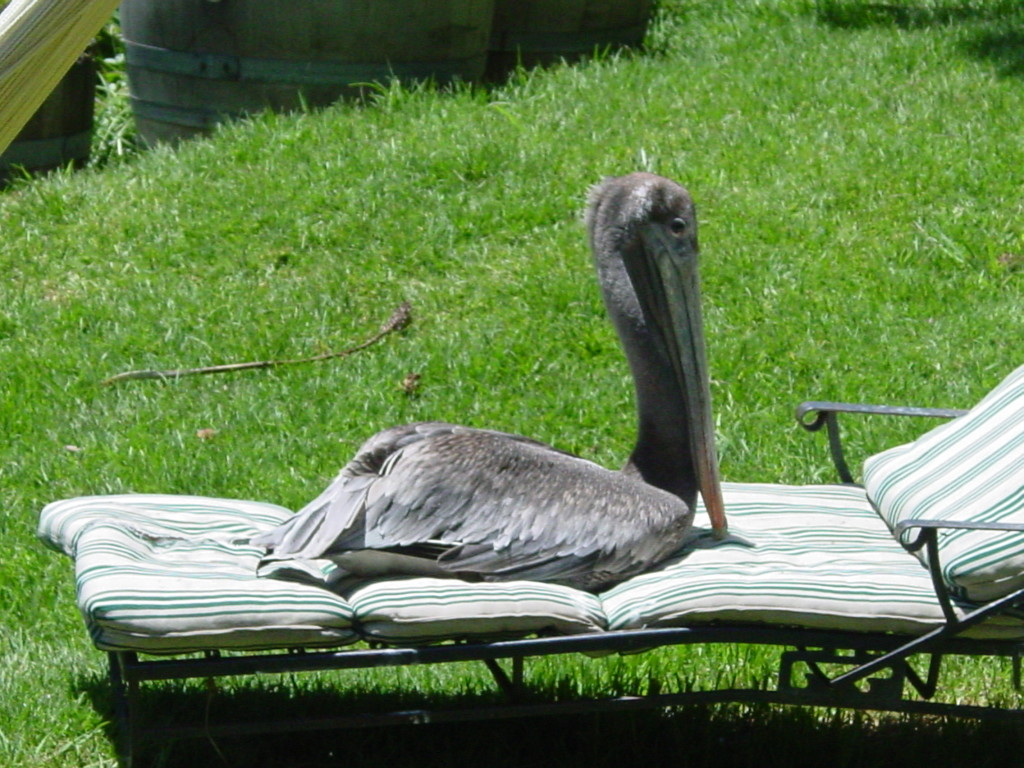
395,492
334,517
605,529
481,504
334,520
514,508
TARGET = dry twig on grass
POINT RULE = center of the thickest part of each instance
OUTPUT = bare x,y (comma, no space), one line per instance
399,319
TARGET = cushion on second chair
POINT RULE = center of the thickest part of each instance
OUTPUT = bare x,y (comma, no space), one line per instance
968,470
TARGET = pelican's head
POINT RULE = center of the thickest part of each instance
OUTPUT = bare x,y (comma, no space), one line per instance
643,233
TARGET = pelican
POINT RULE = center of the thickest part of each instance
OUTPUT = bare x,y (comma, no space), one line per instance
444,500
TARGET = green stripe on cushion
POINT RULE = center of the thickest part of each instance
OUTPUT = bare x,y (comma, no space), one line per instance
970,469
147,589
424,610
61,521
807,556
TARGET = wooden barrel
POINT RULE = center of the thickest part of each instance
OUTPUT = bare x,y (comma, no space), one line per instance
60,131
194,63
531,32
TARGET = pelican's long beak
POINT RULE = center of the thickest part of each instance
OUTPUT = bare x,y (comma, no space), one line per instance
674,300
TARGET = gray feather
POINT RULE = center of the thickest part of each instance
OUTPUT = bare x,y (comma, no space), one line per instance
484,504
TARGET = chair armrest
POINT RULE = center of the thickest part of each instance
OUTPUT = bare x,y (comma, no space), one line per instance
929,539
821,409
906,525
825,413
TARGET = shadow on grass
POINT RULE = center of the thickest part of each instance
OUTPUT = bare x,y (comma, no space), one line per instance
721,736
1004,48
1000,24
856,14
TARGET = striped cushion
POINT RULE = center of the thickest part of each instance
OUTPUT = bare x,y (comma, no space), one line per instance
969,469
170,574
424,610
811,556
62,521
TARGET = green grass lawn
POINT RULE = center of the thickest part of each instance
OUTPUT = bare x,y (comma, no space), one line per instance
858,170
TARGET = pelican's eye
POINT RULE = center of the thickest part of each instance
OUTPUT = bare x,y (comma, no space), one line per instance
678,226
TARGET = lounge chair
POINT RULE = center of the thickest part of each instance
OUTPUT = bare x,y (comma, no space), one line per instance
926,558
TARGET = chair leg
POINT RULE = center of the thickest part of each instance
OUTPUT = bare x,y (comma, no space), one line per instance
123,694
512,686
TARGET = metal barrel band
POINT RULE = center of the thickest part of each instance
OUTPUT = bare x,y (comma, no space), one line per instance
188,117
219,66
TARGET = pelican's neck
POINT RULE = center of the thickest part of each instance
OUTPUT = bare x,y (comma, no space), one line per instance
662,456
